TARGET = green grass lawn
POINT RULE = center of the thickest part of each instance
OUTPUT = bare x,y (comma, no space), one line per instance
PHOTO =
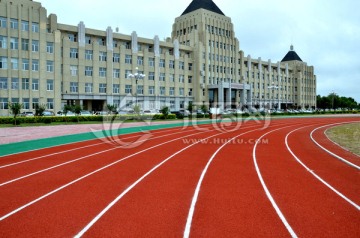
347,136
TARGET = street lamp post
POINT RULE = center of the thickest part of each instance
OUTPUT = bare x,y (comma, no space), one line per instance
136,76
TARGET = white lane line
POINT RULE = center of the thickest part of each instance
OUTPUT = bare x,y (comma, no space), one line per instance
267,192
78,159
198,186
87,175
108,207
314,174
60,152
328,151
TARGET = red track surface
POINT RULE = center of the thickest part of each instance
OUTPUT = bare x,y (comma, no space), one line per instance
187,182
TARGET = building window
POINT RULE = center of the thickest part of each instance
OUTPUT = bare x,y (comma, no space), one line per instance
151,76
50,85
189,79
26,103
25,44
35,103
88,40
102,72
162,63
171,64
3,42
14,64
152,62
127,72
14,24
14,43
35,46
116,58
101,41
3,22
25,64
4,103
172,91
102,88
88,54
4,83
181,91
88,71
190,66
140,60
172,104
128,59
190,92
35,65
50,47
88,87
128,89
49,66
73,70
140,89
14,83
102,56
181,78
35,85
35,27
24,25
172,78
50,103
72,37
3,62
74,53
181,65
151,90
162,77
74,87
162,91
116,88
25,84
116,73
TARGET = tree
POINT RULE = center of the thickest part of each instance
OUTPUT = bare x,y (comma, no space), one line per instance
39,110
15,109
67,108
190,107
137,110
204,109
165,111
77,110
111,108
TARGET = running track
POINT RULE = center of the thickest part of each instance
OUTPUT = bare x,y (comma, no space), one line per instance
279,178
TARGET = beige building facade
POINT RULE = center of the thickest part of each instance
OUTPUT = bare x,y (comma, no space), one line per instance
43,62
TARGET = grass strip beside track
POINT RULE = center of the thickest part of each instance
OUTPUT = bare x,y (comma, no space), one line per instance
29,145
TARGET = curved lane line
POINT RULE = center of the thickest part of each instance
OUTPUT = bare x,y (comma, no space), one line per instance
328,151
267,192
198,186
95,219
87,175
314,174
75,160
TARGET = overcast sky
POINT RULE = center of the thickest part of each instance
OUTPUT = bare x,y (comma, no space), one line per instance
325,33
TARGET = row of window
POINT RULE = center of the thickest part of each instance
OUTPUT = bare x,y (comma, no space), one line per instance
25,44
74,88
221,45
25,64
4,103
218,31
15,84
14,24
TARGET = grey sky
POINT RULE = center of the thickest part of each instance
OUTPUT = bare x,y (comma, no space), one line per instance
325,33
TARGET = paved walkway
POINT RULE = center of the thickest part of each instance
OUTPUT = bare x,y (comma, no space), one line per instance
19,134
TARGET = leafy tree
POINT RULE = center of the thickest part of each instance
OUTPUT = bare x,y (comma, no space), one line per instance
137,110
190,107
39,110
111,108
66,109
204,109
165,111
15,109
77,110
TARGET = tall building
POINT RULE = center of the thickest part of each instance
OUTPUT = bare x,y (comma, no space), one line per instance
46,62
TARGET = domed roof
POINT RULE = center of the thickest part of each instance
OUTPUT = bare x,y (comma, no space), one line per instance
291,55
204,4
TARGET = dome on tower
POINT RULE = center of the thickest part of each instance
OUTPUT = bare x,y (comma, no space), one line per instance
291,55
204,4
